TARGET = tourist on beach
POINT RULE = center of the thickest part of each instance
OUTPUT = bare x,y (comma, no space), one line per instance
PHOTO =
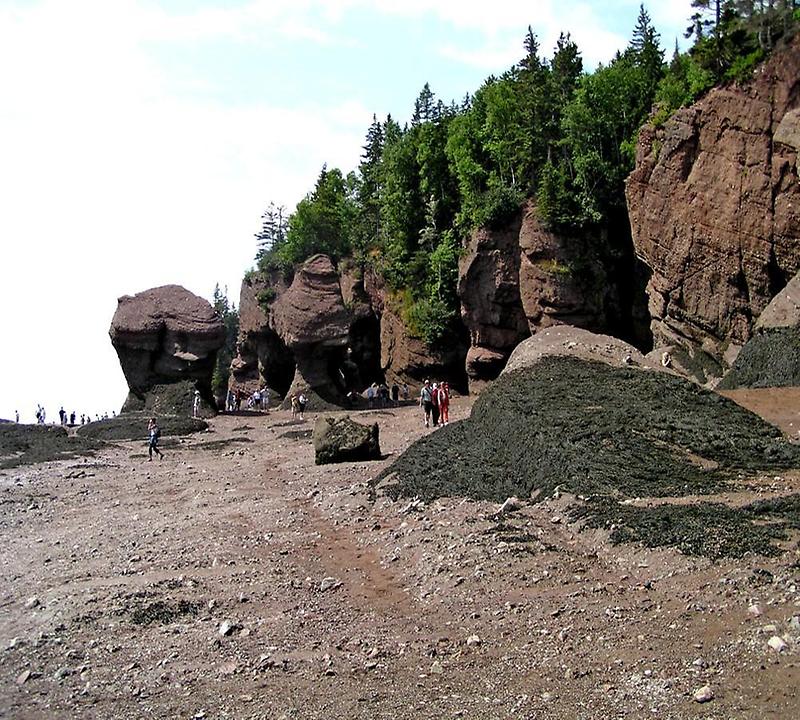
406,393
72,418
295,406
444,403
154,433
370,395
16,415
265,398
196,404
62,415
425,398
435,405
302,401
395,394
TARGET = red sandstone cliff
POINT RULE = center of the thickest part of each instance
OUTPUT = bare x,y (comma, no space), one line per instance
714,207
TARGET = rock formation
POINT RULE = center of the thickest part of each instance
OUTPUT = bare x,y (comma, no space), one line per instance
312,321
771,358
343,440
166,338
714,205
516,281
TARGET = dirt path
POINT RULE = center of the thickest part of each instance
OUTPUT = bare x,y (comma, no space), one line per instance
118,583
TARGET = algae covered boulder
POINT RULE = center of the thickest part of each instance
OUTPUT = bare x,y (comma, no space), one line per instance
580,414
771,358
343,440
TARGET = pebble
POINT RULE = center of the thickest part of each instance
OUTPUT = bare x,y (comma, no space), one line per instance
22,678
31,603
226,627
777,643
754,610
704,694
328,583
437,668
473,640
511,504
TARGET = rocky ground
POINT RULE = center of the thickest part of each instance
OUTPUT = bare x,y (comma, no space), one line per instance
235,579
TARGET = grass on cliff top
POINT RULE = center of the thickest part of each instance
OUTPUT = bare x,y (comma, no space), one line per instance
770,359
604,434
30,444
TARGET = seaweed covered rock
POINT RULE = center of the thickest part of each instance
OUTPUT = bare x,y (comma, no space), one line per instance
162,336
133,426
343,440
771,358
30,444
608,434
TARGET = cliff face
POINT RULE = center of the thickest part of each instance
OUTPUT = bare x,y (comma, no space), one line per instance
519,280
714,206
331,331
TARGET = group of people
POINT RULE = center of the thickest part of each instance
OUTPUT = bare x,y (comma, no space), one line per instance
65,418
382,393
299,401
258,400
434,399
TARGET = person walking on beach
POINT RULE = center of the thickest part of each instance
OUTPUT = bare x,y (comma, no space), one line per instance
196,404
295,406
154,433
435,405
426,401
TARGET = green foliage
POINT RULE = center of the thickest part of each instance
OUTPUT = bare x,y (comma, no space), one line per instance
229,315
542,129
265,297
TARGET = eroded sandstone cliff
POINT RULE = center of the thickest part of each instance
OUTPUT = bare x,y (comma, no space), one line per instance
714,206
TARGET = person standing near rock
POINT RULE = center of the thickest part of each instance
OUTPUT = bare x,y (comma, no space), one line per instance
395,394
302,401
16,415
370,395
406,393
435,405
425,401
444,403
154,433
295,406
196,404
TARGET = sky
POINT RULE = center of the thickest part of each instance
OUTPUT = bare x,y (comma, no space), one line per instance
140,141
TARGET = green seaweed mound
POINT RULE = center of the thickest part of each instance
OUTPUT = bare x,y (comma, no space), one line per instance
771,358
604,434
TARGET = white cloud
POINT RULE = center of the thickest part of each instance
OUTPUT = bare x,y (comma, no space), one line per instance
111,185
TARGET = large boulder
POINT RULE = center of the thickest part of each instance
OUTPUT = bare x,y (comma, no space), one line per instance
714,205
771,358
343,440
166,336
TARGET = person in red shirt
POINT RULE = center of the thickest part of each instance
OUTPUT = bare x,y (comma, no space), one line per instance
444,403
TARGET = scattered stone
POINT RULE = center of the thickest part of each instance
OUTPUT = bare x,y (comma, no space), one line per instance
344,440
437,668
62,672
794,623
31,603
704,694
511,504
755,610
473,640
22,678
226,627
328,583
229,667
777,643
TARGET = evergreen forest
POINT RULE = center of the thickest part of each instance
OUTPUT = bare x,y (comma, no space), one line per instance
546,130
